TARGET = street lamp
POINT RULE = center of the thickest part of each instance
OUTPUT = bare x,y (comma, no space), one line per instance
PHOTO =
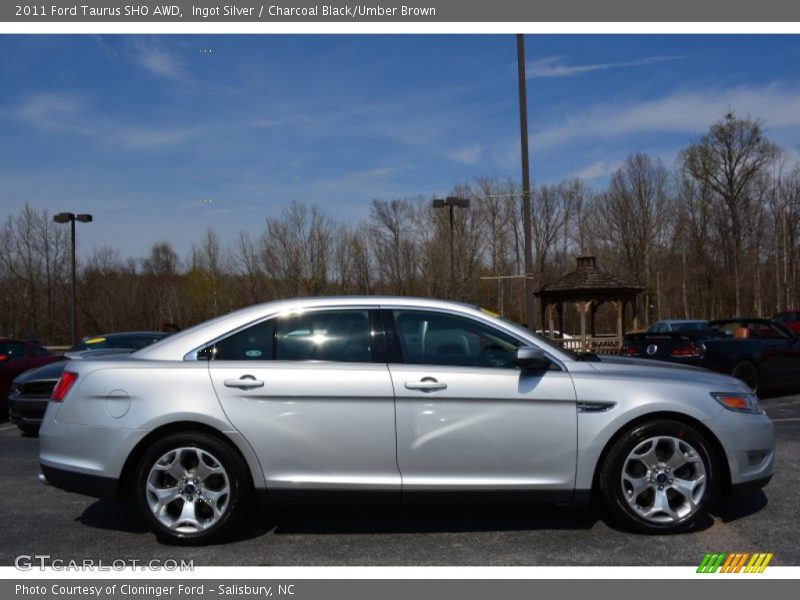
67,217
451,202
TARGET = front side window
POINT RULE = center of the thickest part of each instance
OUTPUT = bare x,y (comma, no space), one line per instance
432,338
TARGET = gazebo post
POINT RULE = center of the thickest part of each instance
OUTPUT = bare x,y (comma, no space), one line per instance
550,324
594,306
619,306
561,318
582,306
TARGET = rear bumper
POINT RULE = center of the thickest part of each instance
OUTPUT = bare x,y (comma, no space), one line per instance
81,483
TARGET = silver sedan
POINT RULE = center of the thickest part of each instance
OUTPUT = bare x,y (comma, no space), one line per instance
404,397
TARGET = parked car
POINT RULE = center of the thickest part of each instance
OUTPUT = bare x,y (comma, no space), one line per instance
789,318
31,390
130,340
762,353
406,397
17,356
668,325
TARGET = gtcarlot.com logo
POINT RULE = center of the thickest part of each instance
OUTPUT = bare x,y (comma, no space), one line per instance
736,562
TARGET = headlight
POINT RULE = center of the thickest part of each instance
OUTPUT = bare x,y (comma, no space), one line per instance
745,403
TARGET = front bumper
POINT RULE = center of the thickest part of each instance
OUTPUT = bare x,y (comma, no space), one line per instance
25,410
749,443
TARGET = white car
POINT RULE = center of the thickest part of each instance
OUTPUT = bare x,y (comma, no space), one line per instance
405,397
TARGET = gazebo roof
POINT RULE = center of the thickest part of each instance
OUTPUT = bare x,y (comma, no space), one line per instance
588,279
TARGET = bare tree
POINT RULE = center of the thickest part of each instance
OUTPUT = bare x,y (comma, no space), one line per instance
727,159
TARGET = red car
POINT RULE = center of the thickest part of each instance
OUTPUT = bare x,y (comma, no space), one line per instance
790,318
17,356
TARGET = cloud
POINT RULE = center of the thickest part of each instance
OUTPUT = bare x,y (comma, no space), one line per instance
156,59
551,67
63,114
468,155
596,170
682,112
270,123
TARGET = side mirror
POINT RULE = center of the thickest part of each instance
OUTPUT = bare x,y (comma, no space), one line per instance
532,357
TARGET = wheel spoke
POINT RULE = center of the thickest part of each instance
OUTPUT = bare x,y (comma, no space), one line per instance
661,506
212,498
188,517
687,488
203,469
639,484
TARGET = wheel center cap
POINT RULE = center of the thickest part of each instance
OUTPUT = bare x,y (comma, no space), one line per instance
189,488
661,478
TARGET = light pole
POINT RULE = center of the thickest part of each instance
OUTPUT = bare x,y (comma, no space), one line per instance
67,217
451,202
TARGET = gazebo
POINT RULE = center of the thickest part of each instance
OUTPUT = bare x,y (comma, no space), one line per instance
587,287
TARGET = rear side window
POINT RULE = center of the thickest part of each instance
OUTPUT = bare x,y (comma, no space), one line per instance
432,338
335,335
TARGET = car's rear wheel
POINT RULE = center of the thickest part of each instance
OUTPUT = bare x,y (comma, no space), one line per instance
660,477
747,372
191,488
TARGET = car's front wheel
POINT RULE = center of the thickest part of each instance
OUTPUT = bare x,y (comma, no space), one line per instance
191,488
660,477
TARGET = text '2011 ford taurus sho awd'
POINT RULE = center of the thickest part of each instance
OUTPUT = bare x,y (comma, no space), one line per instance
404,396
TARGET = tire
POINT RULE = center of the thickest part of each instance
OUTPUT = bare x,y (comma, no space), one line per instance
191,488
31,430
747,371
670,495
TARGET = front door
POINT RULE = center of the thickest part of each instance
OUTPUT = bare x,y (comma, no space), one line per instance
469,419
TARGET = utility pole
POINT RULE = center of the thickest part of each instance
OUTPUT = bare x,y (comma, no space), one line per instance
526,183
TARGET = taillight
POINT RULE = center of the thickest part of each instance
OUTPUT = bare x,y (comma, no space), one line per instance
688,351
62,386
628,351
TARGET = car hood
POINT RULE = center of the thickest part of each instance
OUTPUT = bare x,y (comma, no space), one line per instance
47,372
657,369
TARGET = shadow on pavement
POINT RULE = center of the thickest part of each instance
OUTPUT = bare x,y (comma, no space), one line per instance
741,507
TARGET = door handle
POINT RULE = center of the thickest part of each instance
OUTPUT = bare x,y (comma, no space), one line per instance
245,382
427,384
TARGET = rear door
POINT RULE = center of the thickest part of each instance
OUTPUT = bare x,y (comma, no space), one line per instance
312,394
468,419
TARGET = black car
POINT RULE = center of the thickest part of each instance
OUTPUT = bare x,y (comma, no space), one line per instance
30,391
763,353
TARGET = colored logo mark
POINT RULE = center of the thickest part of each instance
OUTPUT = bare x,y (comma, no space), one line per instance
736,562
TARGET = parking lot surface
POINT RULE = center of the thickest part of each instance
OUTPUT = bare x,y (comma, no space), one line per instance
43,520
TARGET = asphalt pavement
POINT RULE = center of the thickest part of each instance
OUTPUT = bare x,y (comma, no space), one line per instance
41,520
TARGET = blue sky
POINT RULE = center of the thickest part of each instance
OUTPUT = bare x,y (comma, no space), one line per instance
161,137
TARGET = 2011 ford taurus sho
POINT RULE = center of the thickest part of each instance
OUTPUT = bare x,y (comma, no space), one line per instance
403,396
